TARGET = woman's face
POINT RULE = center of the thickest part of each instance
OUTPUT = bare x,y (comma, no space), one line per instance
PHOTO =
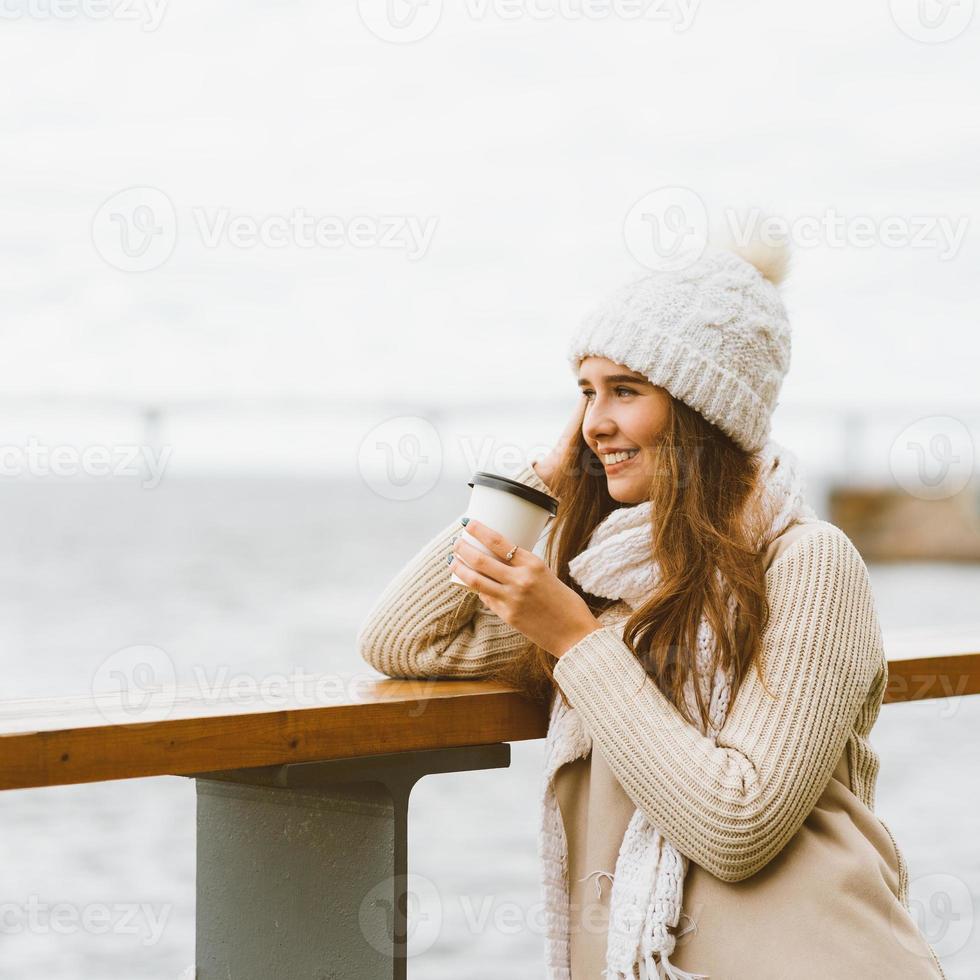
624,411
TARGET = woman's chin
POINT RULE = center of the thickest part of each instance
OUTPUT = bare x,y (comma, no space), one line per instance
622,491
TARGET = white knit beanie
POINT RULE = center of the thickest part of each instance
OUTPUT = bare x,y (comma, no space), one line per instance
714,334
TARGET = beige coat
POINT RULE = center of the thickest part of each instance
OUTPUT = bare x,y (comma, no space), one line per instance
828,905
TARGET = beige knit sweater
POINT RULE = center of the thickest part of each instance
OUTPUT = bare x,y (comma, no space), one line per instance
731,806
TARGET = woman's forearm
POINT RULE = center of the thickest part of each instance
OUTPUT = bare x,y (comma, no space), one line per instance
425,625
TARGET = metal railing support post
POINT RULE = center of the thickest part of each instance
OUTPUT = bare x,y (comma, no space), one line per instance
302,869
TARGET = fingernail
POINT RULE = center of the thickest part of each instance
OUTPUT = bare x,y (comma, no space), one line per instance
449,560
465,521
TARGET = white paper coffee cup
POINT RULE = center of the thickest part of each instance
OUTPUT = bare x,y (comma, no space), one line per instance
519,512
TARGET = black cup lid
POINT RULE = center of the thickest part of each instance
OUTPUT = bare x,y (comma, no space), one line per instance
517,488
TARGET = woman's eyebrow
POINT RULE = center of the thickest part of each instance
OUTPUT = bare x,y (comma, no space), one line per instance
612,378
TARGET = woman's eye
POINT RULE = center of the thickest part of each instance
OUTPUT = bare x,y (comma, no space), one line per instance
589,392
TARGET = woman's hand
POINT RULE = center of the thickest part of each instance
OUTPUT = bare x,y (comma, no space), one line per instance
523,592
548,464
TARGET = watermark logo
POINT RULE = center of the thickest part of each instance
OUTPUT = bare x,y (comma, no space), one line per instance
667,229
400,21
933,458
942,907
942,233
295,689
139,683
678,13
34,916
136,229
404,457
422,912
426,908
136,683
300,229
401,459
148,13
37,460
407,21
932,21
923,687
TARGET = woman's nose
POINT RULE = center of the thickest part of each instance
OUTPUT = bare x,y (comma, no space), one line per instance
598,431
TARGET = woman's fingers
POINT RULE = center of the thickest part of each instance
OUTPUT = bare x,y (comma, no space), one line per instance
475,581
484,564
497,543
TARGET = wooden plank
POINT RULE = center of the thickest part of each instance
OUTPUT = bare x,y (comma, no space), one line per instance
917,678
52,742
70,740
926,662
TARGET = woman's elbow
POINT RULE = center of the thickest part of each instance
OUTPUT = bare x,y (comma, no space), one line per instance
381,651
746,856
732,873
373,651
728,871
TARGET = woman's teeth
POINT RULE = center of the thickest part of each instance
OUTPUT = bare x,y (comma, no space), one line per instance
619,457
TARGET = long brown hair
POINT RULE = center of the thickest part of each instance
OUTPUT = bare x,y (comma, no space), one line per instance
707,537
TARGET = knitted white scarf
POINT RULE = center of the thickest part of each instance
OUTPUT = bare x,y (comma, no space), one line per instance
647,891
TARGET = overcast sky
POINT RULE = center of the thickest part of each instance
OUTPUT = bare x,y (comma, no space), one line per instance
499,159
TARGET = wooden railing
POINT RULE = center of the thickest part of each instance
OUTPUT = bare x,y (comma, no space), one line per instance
88,739
311,800
926,664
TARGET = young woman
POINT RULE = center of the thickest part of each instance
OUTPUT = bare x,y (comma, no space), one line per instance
710,652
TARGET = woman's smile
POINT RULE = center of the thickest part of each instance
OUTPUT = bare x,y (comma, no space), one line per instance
613,468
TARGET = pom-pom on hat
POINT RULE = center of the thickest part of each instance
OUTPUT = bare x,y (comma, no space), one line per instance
715,334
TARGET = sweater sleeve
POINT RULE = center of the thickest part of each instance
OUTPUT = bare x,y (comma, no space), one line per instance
731,804
425,625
